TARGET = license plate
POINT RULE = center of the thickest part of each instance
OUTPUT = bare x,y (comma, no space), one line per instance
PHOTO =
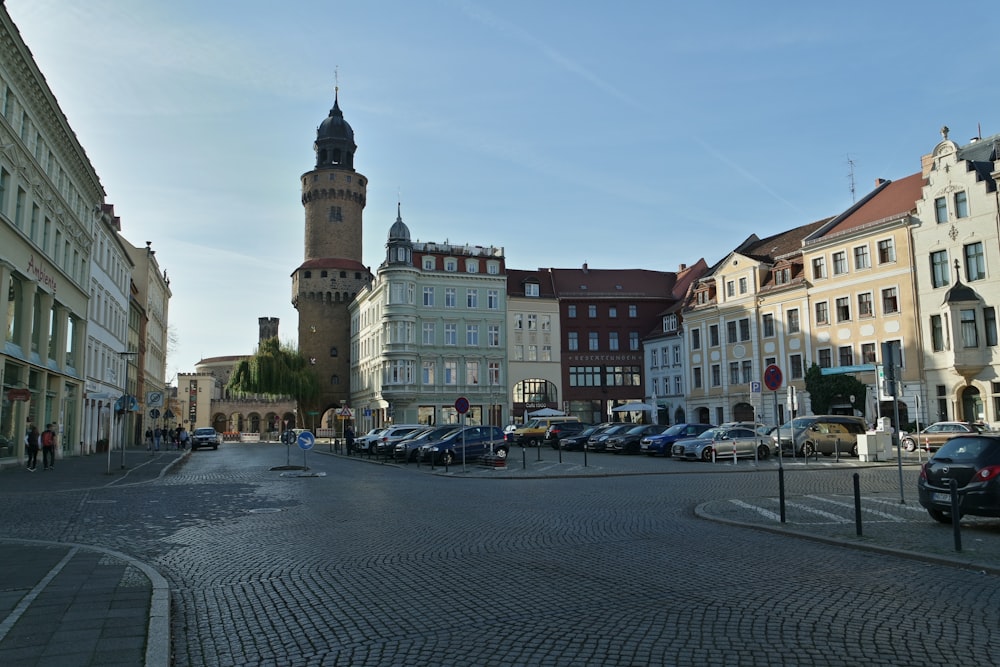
941,497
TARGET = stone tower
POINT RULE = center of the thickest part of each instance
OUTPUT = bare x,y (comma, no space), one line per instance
267,327
333,195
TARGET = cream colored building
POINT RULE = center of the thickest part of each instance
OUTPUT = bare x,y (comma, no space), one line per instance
533,350
957,260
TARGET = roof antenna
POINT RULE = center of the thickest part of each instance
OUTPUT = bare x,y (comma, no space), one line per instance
850,176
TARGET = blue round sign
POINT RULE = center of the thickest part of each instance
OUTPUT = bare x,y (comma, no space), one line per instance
772,377
306,440
462,405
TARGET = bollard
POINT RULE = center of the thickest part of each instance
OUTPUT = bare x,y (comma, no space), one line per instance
838,454
524,458
781,493
734,453
559,447
956,517
857,503
584,455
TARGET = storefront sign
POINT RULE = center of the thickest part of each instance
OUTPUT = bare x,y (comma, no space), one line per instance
18,394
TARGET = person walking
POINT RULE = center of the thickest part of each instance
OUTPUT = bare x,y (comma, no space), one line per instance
48,448
31,444
183,438
149,439
349,438
157,438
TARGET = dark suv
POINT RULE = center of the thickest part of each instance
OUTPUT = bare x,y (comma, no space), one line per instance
205,437
973,462
557,432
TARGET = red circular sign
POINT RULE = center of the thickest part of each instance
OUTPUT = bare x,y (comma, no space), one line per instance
462,405
772,377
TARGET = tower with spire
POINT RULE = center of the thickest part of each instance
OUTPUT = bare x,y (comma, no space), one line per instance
332,273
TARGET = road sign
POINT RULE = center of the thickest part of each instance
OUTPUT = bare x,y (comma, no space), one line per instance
755,387
154,399
154,414
306,440
168,415
462,405
772,377
345,412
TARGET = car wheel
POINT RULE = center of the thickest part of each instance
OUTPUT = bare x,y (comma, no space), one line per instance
808,449
763,452
909,445
532,442
706,454
939,516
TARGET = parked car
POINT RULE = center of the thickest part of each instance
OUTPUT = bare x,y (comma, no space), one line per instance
408,449
973,462
386,441
819,433
362,442
577,442
532,432
560,430
937,434
659,444
598,441
205,437
474,441
722,441
628,442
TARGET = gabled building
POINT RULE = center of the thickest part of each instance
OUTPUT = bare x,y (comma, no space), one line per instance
957,261
533,343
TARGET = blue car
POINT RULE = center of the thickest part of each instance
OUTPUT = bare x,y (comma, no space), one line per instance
660,444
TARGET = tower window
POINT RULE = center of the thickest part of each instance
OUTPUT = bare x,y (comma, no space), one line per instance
308,274
335,214
322,274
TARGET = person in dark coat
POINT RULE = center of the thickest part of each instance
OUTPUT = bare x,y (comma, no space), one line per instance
349,439
32,442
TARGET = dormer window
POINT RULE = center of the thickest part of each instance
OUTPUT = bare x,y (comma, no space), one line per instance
782,276
670,322
472,266
451,265
531,289
428,263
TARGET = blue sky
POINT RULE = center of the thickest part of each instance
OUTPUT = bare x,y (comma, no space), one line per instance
623,135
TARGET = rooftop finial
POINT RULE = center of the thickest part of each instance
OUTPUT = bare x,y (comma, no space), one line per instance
944,132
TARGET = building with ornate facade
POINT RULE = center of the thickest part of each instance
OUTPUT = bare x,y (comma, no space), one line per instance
533,335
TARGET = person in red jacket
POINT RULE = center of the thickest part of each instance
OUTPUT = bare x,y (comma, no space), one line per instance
48,448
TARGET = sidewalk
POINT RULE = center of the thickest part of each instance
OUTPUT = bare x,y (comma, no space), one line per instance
74,604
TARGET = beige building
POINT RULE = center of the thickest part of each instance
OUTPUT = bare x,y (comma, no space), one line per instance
533,350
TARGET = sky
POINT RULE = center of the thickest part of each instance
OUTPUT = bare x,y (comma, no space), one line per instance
641,134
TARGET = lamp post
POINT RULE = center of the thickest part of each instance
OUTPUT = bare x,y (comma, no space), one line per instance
126,405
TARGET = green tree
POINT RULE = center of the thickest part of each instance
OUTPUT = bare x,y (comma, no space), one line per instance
825,389
275,370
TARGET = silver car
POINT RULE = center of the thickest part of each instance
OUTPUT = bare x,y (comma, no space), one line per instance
722,441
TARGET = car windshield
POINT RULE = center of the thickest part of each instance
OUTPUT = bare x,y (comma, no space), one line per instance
797,424
963,449
635,430
676,429
204,431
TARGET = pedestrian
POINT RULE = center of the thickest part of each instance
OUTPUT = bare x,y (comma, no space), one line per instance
31,444
149,439
349,438
48,448
157,438
183,437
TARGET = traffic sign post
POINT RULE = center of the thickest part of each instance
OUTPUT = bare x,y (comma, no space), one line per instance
306,441
461,407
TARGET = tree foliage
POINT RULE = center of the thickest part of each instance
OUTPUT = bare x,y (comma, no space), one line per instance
275,370
824,390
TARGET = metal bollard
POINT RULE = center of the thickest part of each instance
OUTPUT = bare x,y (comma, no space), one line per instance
956,517
857,503
781,493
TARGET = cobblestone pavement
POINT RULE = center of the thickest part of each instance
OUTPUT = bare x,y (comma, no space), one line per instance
354,563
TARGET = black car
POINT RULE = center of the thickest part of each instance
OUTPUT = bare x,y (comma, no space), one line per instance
409,449
561,430
628,442
576,443
465,444
973,462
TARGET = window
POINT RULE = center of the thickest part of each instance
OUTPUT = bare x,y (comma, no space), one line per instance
472,298
633,340
713,335
716,375
782,276
822,312
654,359
451,334
633,312
961,204
546,321
990,325
594,341
846,355
428,296
493,268
730,288
573,340
471,266
743,285
613,340
795,366
531,289
939,268
890,301
451,372
731,332
451,265
670,322
746,366
518,321
592,311
472,335
886,251
734,372
585,376
612,312
745,329
493,335
427,372
868,353
428,333
677,355
493,299
532,353
825,358
861,258
493,370
696,378
793,320
428,263
695,339
975,266
335,214
768,325
970,335
865,308
843,306
839,263
450,297
819,268
937,333
570,311
678,385
940,210
472,372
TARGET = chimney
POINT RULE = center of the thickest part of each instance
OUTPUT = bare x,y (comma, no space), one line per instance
682,267
585,267
879,182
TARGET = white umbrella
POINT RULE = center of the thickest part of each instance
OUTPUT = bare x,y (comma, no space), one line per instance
546,412
634,407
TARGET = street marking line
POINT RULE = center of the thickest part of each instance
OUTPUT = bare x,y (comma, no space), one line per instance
767,514
22,606
850,506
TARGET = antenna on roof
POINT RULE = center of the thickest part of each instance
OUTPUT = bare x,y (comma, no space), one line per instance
850,176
